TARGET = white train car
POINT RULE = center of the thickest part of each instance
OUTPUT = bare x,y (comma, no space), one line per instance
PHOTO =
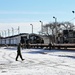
13,40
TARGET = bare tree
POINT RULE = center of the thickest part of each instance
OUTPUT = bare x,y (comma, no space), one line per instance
67,25
50,29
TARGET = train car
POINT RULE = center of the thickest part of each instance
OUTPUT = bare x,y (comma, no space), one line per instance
35,39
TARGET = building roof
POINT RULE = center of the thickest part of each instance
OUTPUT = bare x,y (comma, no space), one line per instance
16,35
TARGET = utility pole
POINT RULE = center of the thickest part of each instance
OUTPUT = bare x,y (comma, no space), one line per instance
8,32
2,34
18,30
41,26
5,33
12,31
32,28
55,28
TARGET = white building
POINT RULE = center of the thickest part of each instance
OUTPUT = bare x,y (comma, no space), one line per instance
13,40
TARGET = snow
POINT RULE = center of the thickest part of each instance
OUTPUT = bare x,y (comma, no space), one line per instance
37,62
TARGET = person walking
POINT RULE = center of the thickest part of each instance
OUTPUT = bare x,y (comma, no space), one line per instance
19,52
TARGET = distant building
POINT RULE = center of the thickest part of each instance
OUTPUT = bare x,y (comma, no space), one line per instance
13,40
23,38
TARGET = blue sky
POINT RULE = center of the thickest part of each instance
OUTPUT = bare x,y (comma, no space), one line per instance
29,11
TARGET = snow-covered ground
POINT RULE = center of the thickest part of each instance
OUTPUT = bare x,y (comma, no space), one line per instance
37,62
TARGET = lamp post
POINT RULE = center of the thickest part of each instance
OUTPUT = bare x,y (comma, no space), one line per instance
41,26
18,30
73,11
32,28
12,31
8,32
55,27
5,32
74,15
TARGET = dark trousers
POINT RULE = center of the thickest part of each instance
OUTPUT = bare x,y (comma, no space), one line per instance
19,54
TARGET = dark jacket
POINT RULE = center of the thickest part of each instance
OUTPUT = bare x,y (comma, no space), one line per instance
19,48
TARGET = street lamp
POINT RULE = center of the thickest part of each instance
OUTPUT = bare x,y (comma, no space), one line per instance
12,31
73,11
8,32
5,32
55,19
55,27
18,30
32,28
41,26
